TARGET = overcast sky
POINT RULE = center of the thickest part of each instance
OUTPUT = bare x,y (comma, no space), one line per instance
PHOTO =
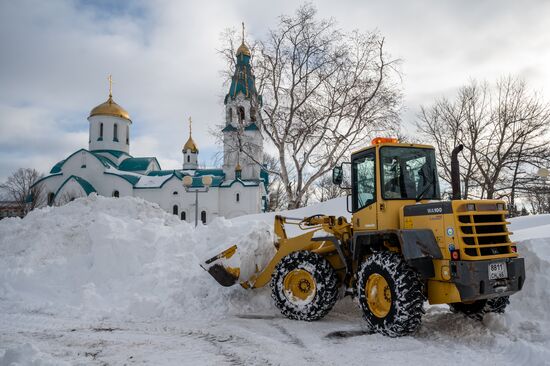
55,57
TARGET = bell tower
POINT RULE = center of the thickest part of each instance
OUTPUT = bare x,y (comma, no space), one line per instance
242,134
190,151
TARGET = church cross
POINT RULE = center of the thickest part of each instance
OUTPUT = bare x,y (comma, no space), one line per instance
190,123
110,85
243,33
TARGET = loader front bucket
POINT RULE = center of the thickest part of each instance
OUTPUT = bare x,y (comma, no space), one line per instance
221,270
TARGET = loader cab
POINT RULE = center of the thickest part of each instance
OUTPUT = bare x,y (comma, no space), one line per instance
387,176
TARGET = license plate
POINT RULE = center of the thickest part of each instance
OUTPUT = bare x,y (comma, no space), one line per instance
497,270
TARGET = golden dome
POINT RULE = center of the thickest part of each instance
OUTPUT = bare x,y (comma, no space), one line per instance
243,49
238,167
190,145
110,108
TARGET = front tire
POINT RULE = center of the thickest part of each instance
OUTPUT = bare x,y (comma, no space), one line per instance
304,286
479,308
390,295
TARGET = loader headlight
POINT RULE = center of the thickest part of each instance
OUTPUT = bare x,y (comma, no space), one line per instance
470,207
445,273
501,207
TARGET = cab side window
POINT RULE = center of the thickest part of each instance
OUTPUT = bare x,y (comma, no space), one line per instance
364,180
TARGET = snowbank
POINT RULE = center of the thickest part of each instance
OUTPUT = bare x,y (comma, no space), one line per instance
103,257
28,354
114,258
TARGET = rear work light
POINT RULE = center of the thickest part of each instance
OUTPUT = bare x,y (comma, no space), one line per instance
514,249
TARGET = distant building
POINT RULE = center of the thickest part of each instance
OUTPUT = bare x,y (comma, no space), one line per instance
107,168
10,209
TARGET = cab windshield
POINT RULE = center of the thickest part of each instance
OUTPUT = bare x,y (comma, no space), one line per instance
408,173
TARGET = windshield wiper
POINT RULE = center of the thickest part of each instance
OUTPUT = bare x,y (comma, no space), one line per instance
430,184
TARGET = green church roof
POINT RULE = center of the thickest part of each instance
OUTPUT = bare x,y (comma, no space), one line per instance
57,167
215,172
115,153
136,164
229,128
86,186
251,127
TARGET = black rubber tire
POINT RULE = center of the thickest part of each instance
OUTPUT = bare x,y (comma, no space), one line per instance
325,282
479,308
407,297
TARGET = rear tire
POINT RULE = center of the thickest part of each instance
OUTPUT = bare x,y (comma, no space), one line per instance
304,286
390,295
479,308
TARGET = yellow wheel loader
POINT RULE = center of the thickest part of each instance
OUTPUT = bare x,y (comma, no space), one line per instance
403,245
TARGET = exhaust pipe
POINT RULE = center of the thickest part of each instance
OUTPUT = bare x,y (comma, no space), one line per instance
455,172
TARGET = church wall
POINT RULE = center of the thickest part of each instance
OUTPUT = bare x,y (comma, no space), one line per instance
107,141
249,200
52,183
166,199
83,164
70,191
107,184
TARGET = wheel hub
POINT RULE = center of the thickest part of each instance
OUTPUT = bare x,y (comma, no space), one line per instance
378,295
300,284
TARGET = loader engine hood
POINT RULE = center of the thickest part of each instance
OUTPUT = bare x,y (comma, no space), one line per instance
477,228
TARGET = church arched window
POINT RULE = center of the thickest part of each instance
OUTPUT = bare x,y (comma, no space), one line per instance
183,215
101,131
237,197
240,111
203,217
188,158
230,114
253,114
115,132
127,135
116,194
175,209
51,196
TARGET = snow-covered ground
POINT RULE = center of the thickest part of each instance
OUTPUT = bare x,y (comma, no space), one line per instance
117,281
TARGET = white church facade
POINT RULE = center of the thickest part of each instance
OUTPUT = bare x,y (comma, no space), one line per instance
108,169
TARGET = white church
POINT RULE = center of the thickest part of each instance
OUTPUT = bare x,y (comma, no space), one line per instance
108,169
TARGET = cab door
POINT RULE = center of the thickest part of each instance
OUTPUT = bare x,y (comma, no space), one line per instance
363,194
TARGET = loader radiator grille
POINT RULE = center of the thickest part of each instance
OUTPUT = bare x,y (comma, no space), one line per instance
484,235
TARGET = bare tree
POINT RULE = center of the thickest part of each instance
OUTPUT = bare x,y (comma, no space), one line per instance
21,188
539,199
503,130
325,190
324,92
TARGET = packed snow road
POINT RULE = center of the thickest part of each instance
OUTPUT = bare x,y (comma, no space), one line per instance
111,282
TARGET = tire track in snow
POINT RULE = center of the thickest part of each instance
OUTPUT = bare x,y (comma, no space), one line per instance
228,346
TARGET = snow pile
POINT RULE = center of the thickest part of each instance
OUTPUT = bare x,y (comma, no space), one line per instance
100,257
28,354
528,315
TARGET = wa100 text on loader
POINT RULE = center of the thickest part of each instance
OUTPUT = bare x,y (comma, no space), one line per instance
403,245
